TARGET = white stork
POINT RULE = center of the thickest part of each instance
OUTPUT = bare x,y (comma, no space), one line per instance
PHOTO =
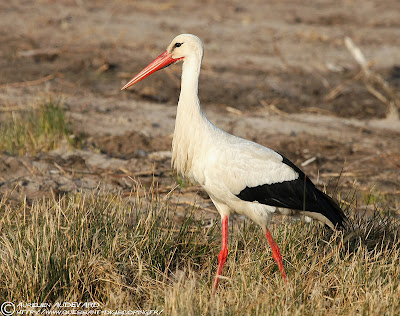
239,175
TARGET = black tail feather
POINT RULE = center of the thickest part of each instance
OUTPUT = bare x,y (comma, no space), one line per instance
299,194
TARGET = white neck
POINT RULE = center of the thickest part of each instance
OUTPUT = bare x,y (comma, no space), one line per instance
189,104
191,123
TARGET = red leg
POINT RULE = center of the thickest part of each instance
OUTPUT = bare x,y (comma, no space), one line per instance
276,253
224,251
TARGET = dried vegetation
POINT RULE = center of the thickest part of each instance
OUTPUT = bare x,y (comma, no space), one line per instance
132,254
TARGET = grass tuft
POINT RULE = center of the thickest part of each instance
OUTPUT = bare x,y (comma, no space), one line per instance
41,128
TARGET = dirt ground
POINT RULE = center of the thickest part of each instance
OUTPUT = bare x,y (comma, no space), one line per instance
278,73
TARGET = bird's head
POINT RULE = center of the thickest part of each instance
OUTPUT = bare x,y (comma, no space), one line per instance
183,47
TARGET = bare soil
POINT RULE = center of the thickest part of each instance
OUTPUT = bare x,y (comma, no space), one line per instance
277,73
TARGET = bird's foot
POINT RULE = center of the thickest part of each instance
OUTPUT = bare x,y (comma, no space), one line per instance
276,254
223,254
222,259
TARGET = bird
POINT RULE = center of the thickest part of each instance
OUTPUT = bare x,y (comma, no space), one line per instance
240,176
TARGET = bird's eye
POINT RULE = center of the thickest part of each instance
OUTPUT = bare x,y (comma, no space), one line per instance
178,44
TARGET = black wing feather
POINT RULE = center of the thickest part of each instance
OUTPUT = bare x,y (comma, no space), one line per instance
299,194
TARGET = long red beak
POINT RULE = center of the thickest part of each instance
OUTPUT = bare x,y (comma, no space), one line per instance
164,60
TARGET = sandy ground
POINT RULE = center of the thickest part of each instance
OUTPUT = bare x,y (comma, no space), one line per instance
277,73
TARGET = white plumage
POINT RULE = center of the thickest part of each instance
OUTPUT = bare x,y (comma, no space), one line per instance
239,175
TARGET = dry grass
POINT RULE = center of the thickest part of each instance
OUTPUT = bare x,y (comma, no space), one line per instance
133,254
